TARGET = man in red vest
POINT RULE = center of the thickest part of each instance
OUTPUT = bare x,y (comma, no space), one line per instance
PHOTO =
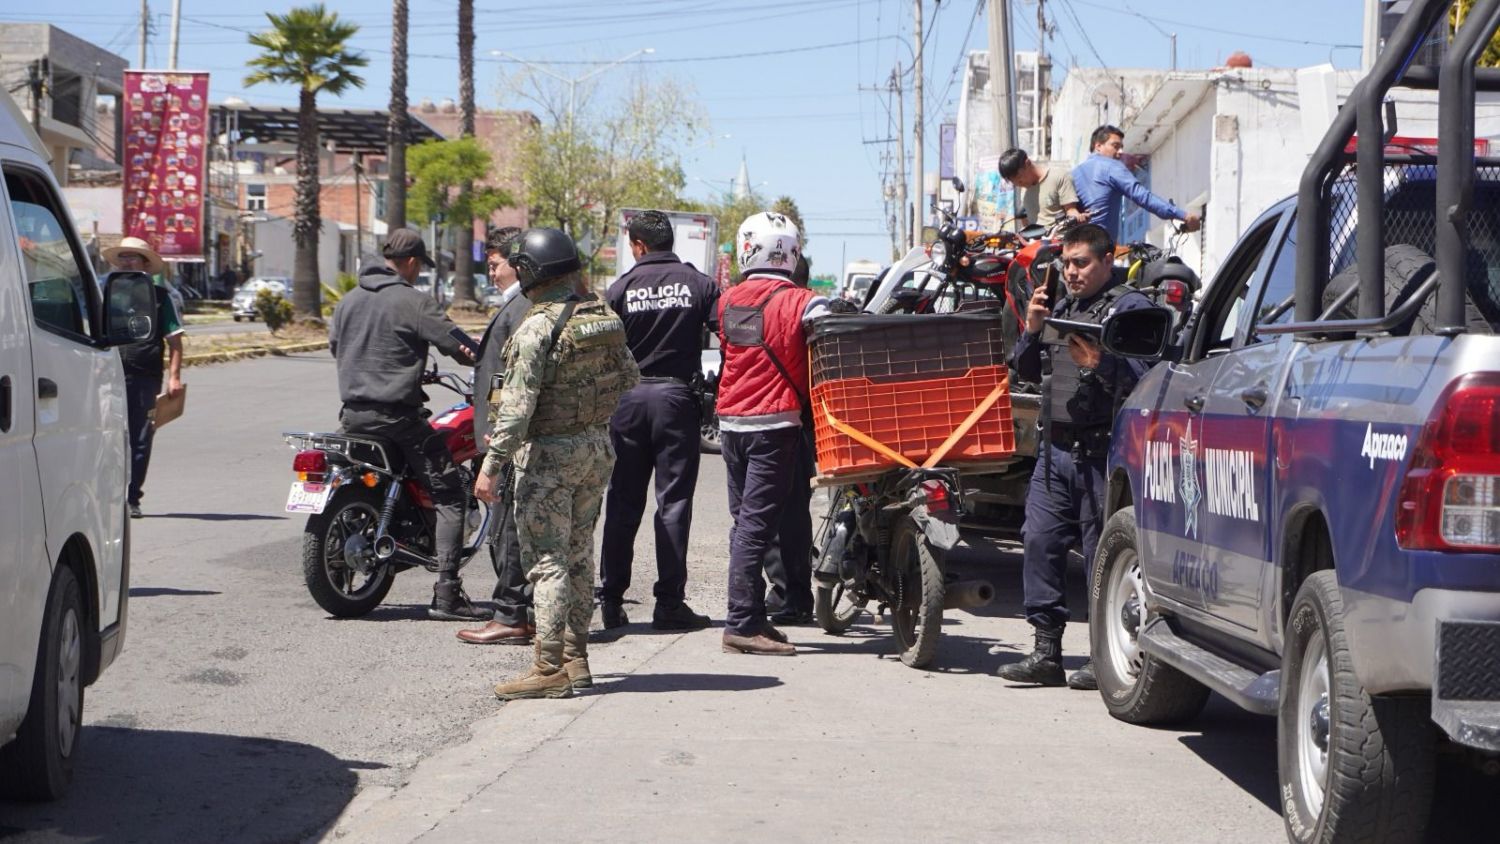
763,400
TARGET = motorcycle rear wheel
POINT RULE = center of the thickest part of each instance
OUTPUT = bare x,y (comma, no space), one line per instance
342,591
917,572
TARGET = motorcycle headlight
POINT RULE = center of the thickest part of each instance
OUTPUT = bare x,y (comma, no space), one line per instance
938,252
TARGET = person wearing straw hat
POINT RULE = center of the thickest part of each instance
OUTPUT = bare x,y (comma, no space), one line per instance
143,362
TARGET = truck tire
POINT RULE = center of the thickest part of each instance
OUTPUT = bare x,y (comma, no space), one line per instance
917,620
38,764
1137,688
353,511
1353,767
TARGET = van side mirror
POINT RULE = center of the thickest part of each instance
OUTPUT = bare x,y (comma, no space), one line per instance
130,308
1139,333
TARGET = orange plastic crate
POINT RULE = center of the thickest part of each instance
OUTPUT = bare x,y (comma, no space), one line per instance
912,418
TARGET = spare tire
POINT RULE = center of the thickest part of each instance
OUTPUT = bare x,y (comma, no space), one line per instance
1406,269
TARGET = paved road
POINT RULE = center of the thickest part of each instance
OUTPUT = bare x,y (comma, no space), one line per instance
240,712
225,326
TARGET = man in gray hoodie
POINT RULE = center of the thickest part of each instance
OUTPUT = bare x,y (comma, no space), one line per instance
380,336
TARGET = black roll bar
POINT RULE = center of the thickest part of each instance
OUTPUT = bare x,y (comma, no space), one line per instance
1364,112
1455,170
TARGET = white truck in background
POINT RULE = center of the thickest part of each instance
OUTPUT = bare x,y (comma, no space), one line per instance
857,278
695,240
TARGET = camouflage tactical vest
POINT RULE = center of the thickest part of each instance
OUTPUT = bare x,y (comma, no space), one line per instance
582,381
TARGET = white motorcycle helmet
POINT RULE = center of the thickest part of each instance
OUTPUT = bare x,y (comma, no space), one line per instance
768,243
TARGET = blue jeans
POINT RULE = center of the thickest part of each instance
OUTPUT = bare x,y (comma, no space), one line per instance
140,403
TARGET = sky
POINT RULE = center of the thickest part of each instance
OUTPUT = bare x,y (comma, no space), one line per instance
787,80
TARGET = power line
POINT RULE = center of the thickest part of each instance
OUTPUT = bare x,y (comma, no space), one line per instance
963,55
1214,29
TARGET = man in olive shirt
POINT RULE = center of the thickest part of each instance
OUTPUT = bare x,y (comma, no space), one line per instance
1047,190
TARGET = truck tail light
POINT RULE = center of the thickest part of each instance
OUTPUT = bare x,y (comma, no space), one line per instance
1450,498
311,466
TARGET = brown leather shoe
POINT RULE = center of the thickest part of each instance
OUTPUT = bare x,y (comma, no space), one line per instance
758,645
495,633
774,635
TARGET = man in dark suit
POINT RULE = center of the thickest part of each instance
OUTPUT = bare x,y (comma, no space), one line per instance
511,624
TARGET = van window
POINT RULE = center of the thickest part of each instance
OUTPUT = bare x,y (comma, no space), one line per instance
49,257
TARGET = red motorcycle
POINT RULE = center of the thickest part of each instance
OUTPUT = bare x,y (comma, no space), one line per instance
368,517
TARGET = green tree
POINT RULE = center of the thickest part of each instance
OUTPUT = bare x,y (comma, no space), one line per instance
787,206
580,173
307,47
439,169
1457,15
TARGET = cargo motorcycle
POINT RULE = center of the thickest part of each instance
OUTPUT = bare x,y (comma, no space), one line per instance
369,517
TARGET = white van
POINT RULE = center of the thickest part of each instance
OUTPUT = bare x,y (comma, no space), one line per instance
64,546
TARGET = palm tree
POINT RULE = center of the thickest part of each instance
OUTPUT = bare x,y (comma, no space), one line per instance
399,125
463,247
307,47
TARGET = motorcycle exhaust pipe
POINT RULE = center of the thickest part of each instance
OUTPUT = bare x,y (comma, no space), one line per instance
968,594
387,550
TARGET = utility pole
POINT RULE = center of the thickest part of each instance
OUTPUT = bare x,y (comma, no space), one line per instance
902,209
359,217
176,31
919,212
1038,112
145,33
36,73
1372,35
1000,75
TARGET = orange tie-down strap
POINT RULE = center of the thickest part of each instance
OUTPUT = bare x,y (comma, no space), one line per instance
942,451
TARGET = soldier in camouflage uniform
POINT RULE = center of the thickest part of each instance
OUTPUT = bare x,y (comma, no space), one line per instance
565,369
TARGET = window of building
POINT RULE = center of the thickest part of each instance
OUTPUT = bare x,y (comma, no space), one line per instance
255,197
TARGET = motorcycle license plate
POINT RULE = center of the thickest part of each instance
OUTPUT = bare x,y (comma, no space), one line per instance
307,497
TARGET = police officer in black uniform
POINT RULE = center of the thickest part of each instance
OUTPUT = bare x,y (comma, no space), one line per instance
1064,501
380,335
666,306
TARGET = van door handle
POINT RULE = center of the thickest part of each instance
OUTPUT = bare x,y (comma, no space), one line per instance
46,388
4,404
1255,397
1194,403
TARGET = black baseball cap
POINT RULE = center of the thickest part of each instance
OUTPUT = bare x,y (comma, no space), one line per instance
406,243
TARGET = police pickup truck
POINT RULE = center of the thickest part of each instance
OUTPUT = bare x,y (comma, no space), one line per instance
1303,508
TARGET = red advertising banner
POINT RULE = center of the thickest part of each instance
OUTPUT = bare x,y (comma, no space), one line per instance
165,122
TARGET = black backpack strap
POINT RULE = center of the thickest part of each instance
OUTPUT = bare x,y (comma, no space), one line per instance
570,304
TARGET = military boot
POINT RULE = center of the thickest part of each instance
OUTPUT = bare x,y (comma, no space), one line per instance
542,680
576,660
1043,666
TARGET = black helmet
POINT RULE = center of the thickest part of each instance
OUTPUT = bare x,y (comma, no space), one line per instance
541,255
1169,268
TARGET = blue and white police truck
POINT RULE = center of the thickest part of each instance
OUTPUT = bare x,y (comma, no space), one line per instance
1303,507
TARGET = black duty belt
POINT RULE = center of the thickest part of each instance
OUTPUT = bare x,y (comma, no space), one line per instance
1065,435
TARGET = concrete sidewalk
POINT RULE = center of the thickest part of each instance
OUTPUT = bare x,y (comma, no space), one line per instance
683,742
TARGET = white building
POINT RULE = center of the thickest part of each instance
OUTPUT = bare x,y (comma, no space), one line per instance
1230,142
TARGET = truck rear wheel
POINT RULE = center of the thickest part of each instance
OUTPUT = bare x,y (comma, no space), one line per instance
1353,767
1137,688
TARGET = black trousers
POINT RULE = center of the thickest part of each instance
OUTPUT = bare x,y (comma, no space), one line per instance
428,458
140,403
789,560
760,466
1063,507
655,429
512,590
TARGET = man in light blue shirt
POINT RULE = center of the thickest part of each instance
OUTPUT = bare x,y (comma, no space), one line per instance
1102,179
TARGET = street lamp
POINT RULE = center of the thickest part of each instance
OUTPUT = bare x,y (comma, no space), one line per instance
571,80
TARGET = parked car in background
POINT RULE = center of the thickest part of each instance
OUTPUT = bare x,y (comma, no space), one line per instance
242,306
